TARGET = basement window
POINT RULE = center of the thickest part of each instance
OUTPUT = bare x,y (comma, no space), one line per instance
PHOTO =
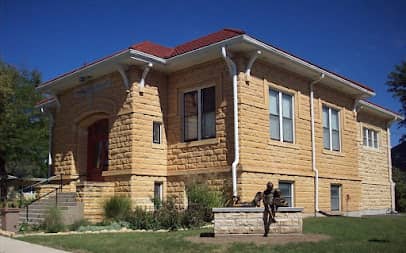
286,189
335,197
199,115
158,195
370,138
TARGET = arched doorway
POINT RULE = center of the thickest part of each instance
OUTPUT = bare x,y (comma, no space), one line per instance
97,149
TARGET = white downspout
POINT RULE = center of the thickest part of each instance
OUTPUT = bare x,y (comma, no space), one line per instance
314,167
233,72
392,184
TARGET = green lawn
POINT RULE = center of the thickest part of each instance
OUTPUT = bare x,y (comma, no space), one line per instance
374,234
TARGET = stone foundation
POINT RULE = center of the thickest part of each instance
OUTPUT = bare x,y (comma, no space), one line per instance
248,220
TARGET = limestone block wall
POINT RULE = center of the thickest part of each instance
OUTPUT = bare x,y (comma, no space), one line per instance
373,165
104,97
210,155
261,154
303,187
149,105
350,195
93,195
177,185
142,190
249,221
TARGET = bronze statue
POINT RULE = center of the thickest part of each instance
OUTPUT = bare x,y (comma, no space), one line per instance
272,200
269,213
256,202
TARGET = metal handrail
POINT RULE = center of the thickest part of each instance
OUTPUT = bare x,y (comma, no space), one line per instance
39,183
60,187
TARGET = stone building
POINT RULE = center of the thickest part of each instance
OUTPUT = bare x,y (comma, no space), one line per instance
226,110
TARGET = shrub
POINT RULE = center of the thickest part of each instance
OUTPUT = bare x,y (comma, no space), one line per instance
201,200
142,219
117,208
53,221
80,223
167,216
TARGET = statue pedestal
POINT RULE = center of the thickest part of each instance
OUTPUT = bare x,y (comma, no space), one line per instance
248,220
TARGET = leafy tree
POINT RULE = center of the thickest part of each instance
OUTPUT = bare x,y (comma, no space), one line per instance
397,86
23,128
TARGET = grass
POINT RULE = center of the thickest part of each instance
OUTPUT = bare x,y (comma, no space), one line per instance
373,234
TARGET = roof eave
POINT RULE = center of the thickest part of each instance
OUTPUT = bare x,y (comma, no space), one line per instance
263,46
382,111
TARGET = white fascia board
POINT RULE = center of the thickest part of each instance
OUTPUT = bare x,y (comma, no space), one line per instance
306,64
381,110
147,57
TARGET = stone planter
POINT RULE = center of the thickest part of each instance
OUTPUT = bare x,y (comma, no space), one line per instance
9,219
248,220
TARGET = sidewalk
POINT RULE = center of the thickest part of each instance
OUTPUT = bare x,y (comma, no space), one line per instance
8,245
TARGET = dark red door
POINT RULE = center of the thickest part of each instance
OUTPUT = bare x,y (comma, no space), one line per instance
97,149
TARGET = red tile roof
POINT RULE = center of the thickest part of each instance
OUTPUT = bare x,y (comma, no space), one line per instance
165,52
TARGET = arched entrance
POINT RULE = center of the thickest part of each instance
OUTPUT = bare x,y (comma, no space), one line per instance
97,149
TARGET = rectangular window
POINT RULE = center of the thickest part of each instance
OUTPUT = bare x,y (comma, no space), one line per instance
199,114
286,189
335,194
156,132
281,116
331,129
370,138
158,195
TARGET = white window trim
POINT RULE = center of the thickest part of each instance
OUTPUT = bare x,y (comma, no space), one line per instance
160,132
330,128
292,190
199,109
373,138
280,94
339,198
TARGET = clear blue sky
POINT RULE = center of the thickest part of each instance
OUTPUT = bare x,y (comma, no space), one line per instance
362,40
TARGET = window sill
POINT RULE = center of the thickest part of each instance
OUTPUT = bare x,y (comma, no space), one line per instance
370,148
332,152
210,141
282,144
157,146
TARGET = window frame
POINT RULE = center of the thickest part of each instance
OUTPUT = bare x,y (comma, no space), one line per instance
339,197
159,132
160,193
330,128
366,134
199,112
292,190
280,116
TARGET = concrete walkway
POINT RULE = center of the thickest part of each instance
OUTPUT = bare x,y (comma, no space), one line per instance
8,245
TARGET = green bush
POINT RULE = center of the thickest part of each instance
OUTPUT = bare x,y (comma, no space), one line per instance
201,200
167,216
117,208
142,219
80,223
53,221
